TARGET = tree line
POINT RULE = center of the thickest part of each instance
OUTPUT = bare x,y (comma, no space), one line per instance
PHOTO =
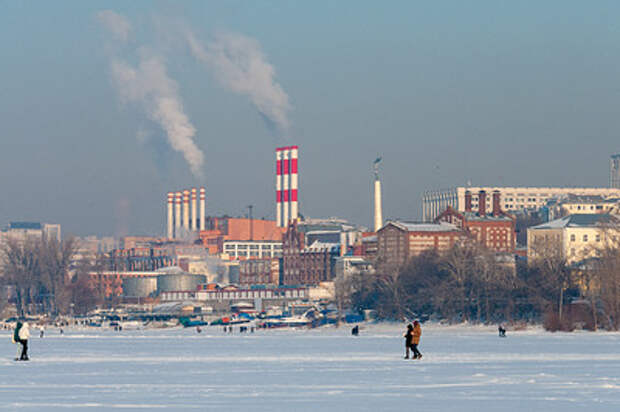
470,284
41,276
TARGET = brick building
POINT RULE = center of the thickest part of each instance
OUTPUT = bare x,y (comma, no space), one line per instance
494,230
398,241
306,265
259,272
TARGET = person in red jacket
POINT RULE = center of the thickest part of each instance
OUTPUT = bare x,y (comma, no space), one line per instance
416,333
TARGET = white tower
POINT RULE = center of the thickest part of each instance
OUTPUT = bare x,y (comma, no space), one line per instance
192,222
378,208
170,231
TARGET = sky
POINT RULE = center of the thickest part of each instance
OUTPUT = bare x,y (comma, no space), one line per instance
94,111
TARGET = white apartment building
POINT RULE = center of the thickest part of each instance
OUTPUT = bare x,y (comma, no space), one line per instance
511,198
578,236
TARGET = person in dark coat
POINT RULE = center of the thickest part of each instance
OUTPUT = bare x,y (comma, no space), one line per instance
408,339
502,331
416,334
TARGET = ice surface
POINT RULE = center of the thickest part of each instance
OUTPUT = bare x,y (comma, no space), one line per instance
464,369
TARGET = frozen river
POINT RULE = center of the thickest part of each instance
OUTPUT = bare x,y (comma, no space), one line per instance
464,369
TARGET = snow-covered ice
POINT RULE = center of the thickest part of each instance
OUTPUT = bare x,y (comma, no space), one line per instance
464,368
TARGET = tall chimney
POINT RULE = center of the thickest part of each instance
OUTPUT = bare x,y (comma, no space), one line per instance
497,210
202,208
378,206
186,209
177,215
285,186
482,203
279,187
170,222
467,201
192,222
294,182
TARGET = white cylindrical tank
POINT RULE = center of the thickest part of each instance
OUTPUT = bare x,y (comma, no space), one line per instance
170,221
192,222
294,183
202,208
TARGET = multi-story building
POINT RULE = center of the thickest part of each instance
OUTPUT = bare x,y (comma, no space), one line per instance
219,230
492,229
259,272
353,265
571,204
398,241
238,249
614,171
576,237
22,231
513,199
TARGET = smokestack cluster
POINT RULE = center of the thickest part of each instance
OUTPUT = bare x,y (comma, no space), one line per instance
287,206
179,221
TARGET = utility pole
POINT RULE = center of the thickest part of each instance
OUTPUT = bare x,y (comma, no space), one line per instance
250,207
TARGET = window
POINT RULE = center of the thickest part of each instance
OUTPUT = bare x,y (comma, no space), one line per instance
598,238
572,251
572,238
585,238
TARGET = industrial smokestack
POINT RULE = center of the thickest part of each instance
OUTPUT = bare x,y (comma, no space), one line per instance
378,206
482,203
202,208
192,223
497,209
186,209
285,185
294,183
467,201
170,222
279,187
177,215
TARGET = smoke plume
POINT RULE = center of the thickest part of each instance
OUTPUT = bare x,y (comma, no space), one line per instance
240,65
150,86
116,24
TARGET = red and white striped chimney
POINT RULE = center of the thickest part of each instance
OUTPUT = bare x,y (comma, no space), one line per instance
279,187
294,183
202,208
192,222
285,185
170,222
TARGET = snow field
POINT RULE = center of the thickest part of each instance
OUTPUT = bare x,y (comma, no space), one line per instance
464,368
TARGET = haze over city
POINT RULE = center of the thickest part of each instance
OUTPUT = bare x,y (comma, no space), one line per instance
492,93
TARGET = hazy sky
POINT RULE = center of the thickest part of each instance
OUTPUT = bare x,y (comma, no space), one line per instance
494,92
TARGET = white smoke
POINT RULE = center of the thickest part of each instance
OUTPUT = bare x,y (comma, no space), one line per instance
150,86
240,65
116,24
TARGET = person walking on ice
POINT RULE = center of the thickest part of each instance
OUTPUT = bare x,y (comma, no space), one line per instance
24,335
416,334
408,339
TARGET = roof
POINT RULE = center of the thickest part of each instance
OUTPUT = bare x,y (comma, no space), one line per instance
580,220
424,227
319,246
25,225
472,216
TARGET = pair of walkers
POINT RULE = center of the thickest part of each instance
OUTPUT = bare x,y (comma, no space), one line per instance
20,336
412,340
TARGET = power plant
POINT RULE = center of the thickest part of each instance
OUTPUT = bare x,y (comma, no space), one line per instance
183,219
287,206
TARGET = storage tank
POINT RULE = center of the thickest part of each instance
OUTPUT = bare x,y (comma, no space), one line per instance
179,281
139,287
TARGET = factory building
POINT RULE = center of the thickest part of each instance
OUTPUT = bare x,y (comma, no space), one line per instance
185,213
513,199
287,204
236,232
259,272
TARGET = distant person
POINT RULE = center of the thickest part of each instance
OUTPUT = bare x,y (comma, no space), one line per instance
502,331
24,335
42,331
15,339
417,333
408,339
355,331
198,329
